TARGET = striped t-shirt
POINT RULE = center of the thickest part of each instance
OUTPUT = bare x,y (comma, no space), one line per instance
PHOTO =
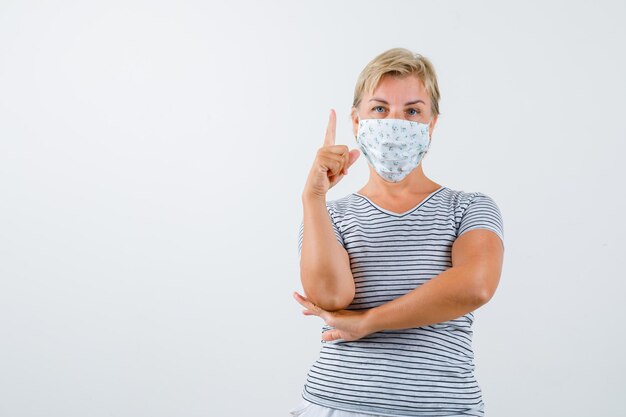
421,371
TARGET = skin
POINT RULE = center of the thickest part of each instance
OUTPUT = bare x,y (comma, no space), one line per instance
477,255
325,264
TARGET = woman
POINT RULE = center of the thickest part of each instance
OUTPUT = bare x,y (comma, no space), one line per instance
397,268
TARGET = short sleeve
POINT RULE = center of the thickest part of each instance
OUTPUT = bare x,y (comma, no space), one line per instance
481,212
333,220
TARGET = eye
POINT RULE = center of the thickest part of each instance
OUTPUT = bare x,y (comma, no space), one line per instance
378,107
416,112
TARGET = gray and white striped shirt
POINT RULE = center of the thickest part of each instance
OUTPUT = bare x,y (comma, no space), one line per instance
421,371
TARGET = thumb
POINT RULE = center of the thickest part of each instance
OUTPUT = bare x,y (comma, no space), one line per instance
354,155
330,335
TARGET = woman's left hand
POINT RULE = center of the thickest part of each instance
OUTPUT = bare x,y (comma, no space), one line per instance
348,324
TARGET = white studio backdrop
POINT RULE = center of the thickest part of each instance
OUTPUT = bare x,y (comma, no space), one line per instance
152,158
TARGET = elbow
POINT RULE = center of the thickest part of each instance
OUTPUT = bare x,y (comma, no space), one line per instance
475,299
482,297
330,298
334,303
331,289
484,292
340,302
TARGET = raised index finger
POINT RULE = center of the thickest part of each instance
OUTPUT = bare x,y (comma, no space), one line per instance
330,130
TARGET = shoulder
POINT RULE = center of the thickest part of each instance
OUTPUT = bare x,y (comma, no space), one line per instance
339,206
477,210
461,199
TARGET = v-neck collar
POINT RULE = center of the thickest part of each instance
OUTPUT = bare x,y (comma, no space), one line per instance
393,213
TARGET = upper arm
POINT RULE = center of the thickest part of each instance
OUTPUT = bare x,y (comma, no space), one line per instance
336,230
479,245
344,296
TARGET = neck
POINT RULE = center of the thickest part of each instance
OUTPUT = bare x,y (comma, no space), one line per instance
414,183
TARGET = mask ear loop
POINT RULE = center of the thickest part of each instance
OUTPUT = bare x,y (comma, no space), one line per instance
358,118
430,139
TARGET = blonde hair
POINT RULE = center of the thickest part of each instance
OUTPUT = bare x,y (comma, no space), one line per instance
398,62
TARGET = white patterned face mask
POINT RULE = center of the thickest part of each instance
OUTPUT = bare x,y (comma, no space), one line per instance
393,147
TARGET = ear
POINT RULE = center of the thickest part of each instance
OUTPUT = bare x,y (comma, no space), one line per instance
355,121
432,126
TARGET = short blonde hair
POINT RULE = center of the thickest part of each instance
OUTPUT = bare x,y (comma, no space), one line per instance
398,62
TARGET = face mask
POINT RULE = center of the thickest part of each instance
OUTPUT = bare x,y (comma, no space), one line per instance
393,147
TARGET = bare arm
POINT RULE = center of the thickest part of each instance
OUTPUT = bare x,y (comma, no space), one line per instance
324,264
477,258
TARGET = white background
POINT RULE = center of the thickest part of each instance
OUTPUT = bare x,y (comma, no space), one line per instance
152,158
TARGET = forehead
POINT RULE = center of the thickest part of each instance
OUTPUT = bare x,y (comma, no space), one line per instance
401,88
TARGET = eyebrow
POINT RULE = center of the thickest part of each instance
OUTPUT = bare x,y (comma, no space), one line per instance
406,104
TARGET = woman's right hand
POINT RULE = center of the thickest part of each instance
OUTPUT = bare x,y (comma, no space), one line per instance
331,163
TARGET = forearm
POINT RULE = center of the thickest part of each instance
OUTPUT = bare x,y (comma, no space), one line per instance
324,265
447,296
